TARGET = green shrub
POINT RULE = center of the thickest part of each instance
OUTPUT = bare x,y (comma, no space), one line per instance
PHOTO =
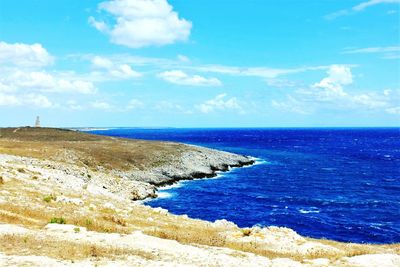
60,220
49,198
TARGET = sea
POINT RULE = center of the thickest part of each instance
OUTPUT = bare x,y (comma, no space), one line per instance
335,183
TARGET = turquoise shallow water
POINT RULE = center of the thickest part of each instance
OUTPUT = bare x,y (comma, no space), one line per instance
341,184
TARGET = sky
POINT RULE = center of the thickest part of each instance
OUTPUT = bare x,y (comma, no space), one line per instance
191,63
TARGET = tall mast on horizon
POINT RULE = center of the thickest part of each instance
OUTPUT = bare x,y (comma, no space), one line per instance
37,123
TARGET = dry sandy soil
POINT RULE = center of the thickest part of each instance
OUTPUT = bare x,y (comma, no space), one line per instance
66,199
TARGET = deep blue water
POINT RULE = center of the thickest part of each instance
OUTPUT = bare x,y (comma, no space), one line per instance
340,184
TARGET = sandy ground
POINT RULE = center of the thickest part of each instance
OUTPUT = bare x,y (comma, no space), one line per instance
105,229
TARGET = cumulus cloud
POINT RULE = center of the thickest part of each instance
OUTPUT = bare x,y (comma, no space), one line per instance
142,23
24,55
25,82
118,71
37,100
332,85
99,25
9,100
28,100
221,103
330,93
45,82
182,78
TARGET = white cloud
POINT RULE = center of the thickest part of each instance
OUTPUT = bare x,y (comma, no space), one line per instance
143,23
168,106
99,25
24,82
119,71
220,102
102,62
9,100
45,82
393,110
368,100
388,52
27,100
373,50
267,73
37,100
291,105
135,104
332,85
181,78
24,55
281,83
358,8
101,105
369,3
330,94
183,58
73,105
6,88
262,72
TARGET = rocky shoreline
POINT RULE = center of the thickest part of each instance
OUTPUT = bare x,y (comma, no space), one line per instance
211,162
133,169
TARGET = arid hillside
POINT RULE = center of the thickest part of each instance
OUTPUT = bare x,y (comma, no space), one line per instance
86,149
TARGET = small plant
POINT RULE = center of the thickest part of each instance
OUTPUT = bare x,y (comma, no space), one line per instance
60,220
88,222
77,229
35,177
246,231
21,170
49,198
1,180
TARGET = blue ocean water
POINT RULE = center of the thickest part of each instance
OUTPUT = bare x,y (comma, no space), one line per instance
340,184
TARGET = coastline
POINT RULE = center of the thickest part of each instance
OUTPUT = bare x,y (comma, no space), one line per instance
218,174
91,196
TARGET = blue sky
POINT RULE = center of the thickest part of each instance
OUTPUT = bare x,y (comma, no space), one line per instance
190,63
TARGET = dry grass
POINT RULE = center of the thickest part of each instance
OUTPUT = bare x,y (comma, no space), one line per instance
36,213
86,149
63,250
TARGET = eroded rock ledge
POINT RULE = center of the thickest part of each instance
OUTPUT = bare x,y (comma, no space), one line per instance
196,163
129,168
